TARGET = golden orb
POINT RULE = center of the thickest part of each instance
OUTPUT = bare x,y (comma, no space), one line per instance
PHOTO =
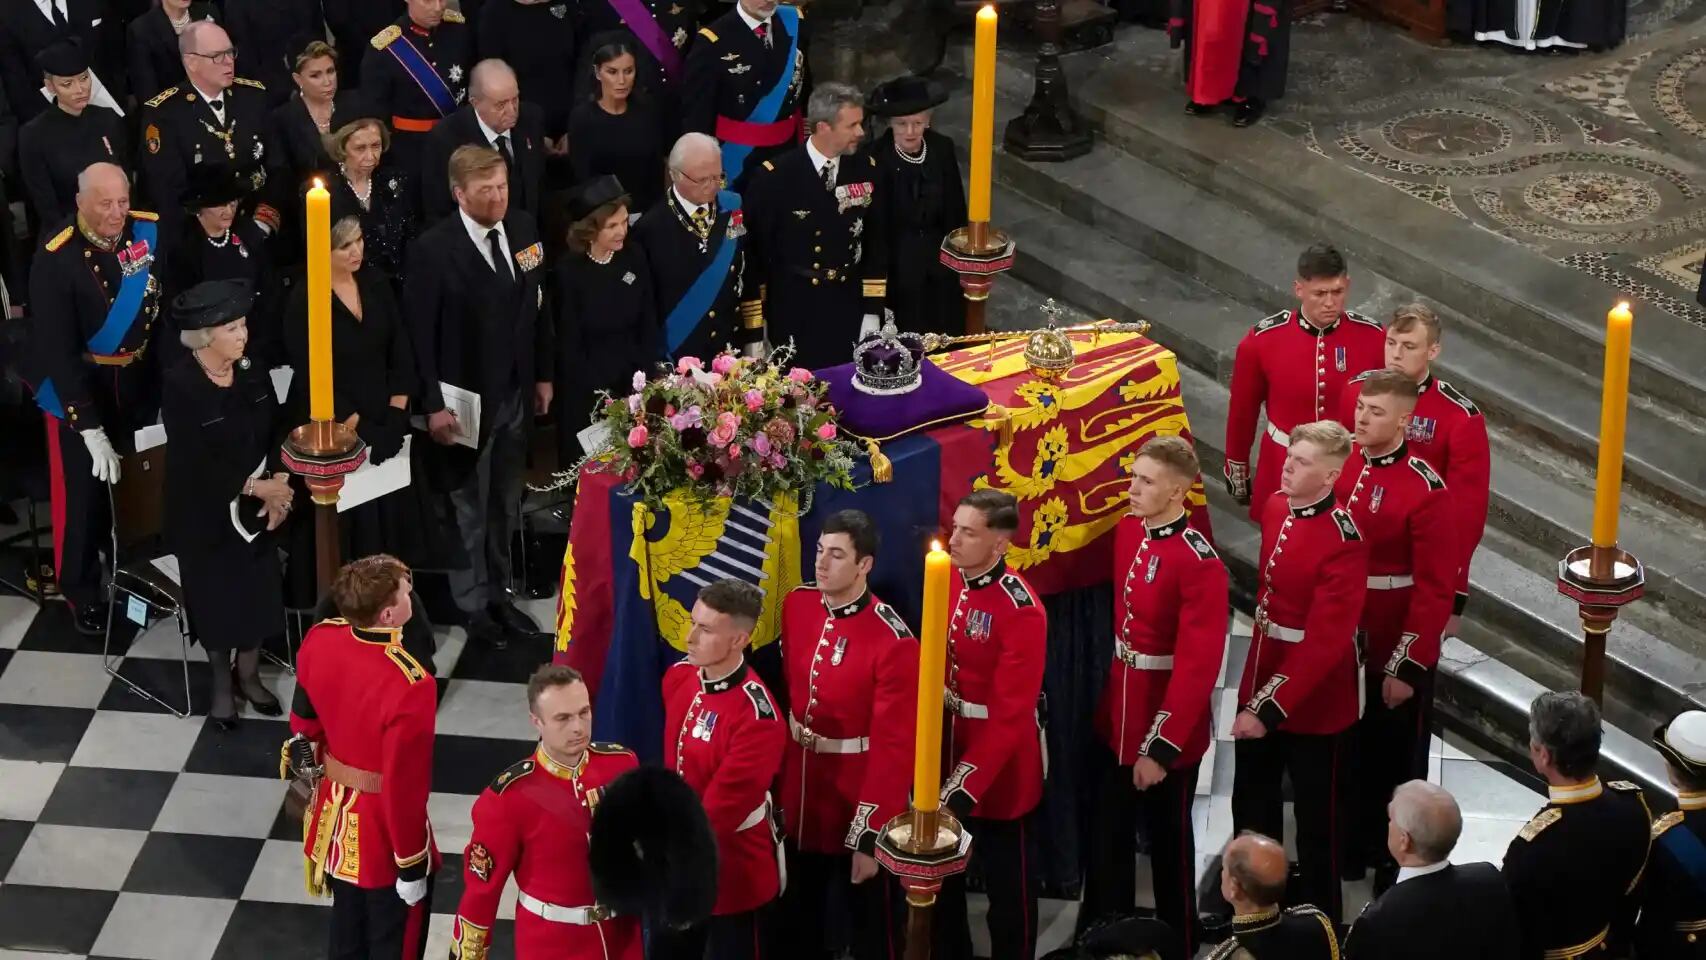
1049,353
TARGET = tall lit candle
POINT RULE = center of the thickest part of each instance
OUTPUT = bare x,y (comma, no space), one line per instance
932,666
982,116
1613,414
319,223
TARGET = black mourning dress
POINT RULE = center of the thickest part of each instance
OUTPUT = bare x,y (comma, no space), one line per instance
926,200
295,155
631,145
218,438
240,255
607,327
151,50
372,360
389,220
55,146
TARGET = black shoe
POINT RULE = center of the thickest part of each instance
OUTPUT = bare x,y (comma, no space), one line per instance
223,724
1248,112
1196,109
90,620
483,630
266,704
515,623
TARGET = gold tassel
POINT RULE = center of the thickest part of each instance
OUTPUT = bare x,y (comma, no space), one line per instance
882,470
999,418
284,760
324,818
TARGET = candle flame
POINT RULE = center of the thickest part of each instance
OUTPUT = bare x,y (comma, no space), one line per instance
935,545
319,184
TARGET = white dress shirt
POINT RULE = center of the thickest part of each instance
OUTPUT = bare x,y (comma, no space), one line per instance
478,233
687,206
817,158
751,23
1410,873
492,135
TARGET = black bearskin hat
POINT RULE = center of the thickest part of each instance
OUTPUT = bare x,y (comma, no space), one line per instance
652,853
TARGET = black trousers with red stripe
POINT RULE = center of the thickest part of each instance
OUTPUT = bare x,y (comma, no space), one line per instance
735,936
1315,767
1004,852
1391,748
1110,881
375,924
82,518
823,907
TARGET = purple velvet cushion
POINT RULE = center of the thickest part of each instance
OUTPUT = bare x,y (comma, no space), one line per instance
941,398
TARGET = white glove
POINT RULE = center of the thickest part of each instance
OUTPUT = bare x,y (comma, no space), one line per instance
105,467
411,891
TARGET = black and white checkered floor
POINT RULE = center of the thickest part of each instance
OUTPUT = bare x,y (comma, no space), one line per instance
127,832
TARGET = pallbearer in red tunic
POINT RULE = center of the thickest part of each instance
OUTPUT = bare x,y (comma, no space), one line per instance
852,673
1170,638
364,712
724,734
1295,364
535,821
1235,50
997,646
1302,682
1446,429
1403,510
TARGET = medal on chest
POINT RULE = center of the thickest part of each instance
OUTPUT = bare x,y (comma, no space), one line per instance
979,625
133,257
840,651
226,136
1375,498
705,725
1421,429
1339,359
1153,568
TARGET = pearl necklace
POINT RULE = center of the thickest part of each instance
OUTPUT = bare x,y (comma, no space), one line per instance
361,196
594,257
224,239
178,24
923,151
216,375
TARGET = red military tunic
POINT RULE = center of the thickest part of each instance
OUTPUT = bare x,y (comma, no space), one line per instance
725,738
1302,674
534,821
852,675
1168,644
997,647
1298,371
369,707
1403,511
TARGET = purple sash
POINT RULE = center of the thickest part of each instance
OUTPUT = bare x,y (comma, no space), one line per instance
650,33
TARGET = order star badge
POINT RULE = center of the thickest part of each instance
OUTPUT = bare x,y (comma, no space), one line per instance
456,73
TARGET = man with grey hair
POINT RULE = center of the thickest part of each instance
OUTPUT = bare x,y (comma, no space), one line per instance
695,240
818,267
94,299
1404,922
495,117
214,116
1573,869
1253,880
746,79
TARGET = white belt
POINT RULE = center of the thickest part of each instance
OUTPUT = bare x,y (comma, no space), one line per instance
968,710
814,743
1287,634
1279,436
580,916
1141,661
1397,581
757,816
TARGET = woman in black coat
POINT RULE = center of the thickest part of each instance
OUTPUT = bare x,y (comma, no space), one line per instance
921,179
374,377
216,244
225,494
380,195
607,322
296,137
55,146
619,131
151,45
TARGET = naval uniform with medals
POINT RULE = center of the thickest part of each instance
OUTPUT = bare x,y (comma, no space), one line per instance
182,127
94,305
416,77
535,821
747,84
1574,868
684,242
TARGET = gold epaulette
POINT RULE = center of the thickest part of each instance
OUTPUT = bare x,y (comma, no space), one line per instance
708,34
1665,822
611,749
144,215
163,96
408,664
60,238
245,81
386,37
454,16
769,166
1541,821
512,773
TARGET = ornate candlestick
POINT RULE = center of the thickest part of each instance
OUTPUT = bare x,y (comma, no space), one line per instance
1049,129
978,253
1601,580
922,848
322,453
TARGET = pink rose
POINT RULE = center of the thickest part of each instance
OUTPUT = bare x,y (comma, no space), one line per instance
689,363
638,436
800,375
761,444
695,470
713,379
728,419
724,362
687,418
754,399
724,431
734,451
826,432
777,461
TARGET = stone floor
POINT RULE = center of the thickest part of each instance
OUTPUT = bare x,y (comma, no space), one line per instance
1594,160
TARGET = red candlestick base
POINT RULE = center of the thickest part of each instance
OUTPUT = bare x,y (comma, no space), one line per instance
1601,580
322,453
978,253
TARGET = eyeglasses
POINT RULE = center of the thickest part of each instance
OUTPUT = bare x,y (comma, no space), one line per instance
218,56
701,181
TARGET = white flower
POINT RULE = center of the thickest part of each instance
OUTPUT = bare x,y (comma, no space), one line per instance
639,380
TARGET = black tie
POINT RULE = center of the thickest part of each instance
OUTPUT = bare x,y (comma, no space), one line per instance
500,263
218,108
58,13
503,148
829,175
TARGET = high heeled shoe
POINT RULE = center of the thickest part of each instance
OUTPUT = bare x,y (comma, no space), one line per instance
266,705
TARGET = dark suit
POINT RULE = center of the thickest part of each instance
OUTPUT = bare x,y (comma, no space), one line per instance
817,258
24,32
729,69
526,175
481,330
151,50
263,31
179,130
1406,921
678,256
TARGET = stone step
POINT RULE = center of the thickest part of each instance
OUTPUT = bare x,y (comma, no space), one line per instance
1235,252
1504,288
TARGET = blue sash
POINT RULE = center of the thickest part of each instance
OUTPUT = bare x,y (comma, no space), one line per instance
768,109
423,74
1682,844
121,316
699,297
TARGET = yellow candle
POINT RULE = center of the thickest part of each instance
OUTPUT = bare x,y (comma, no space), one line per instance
982,116
932,665
1613,412
319,222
